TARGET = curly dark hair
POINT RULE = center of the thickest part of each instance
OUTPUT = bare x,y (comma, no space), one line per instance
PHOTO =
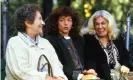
25,12
52,21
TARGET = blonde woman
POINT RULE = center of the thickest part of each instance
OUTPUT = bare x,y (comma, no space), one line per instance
103,52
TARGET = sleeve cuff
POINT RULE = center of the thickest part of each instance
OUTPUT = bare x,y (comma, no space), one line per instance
42,75
80,76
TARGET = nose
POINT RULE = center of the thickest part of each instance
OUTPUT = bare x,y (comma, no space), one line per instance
42,22
65,22
100,25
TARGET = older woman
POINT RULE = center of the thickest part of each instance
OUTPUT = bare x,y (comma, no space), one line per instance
27,54
103,52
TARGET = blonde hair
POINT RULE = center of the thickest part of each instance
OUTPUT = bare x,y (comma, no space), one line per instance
112,26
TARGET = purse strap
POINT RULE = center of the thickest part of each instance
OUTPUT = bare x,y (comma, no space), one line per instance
50,72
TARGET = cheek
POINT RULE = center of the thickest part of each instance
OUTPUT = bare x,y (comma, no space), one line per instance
96,29
106,29
70,25
60,24
60,27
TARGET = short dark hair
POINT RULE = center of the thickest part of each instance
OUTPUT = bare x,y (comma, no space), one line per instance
25,12
52,21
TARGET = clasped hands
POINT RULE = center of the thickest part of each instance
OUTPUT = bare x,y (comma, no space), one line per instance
54,78
124,70
89,74
93,74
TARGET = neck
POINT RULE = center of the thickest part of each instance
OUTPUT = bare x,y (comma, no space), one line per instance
32,36
104,40
64,34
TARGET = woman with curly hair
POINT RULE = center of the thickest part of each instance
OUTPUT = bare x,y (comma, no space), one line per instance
63,33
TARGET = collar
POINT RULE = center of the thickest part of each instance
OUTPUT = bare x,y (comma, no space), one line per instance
110,42
64,37
35,42
27,41
60,37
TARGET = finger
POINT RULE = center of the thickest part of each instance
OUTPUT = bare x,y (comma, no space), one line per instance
92,72
125,70
85,71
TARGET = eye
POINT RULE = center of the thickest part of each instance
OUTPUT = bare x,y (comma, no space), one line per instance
96,23
61,20
70,20
103,23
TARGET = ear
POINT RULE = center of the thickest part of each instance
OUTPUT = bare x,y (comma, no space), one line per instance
27,23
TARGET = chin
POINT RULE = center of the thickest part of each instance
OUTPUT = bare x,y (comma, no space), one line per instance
37,34
102,35
65,32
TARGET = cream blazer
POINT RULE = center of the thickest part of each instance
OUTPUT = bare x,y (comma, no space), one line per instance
22,59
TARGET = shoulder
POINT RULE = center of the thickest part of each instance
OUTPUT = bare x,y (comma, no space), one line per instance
52,39
119,42
77,38
16,43
88,37
14,40
120,45
44,41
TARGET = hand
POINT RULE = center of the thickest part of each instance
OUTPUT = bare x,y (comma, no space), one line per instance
124,69
49,78
90,71
89,77
58,78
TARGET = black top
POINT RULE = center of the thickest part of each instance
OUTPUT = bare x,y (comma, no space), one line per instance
95,57
64,54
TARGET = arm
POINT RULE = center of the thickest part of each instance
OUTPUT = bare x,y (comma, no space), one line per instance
125,59
124,54
17,61
89,53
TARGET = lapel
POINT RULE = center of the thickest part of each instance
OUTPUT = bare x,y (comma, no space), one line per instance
100,52
65,51
80,52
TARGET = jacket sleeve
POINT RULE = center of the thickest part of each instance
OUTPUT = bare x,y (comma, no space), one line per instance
17,62
57,67
89,55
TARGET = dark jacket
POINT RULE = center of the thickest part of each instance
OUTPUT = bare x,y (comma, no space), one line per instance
95,57
64,55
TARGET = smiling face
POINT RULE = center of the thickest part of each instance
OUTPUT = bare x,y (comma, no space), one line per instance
64,25
101,27
36,27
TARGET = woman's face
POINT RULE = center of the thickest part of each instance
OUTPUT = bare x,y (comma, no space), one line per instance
65,24
101,27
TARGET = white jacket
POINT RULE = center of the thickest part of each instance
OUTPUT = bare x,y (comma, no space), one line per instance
22,59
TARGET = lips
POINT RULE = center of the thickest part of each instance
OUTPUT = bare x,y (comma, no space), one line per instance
100,31
65,28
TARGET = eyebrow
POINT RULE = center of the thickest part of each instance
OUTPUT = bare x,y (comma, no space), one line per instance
65,17
98,22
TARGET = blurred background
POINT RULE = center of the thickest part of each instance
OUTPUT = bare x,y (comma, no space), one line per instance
122,11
